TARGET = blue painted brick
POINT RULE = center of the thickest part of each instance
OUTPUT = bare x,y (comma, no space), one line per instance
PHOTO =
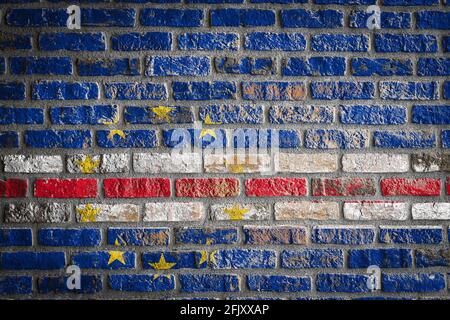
32,260
72,41
9,139
342,236
312,258
381,67
13,115
345,2
58,237
171,18
285,139
15,237
208,41
388,20
89,284
301,114
15,41
141,283
107,17
274,235
179,138
274,91
135,91
16,285
446,90
278,1
224,114
278,283
383,258
415,235
410,2
247,65
431,114
177,260
110,260
202,90
301,18
404,139
109,67
2,65
210,236
243,259
43,66
152,115
242,18
267,41
98,114
433,20
433,67
214,1
445,139
315,66
177,66
432,258
335,139
405,43
446,43
209,283
60,90
36,17
396,90
12,91
406,282
329,282
66,139
343,90
373,115
340,42
138,236
126,138
135,41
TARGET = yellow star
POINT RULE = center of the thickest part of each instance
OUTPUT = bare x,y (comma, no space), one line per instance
203,257
87,165
209,121
162,264
108,123
162,113
236,168
117,243
113,133
210,132
116,255
235,212
88,213
212,257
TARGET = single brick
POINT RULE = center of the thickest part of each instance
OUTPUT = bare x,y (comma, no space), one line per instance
274,91
158,66
15,237
404,139
32,164
136,187
9,139
13,188
314,66
2,65
24,260
268,41
246,65
15,41
12,91
60,90
342,90
135,41
41,66
445,139
37,213
430,162
171,18
54,285
97,114
141,283
446,90
164,260
240,211
109,260
383,258
16,285
431,114
243,259
301,18
208,236
426,258
242,18
14,115
340,42
108,17
138,236
166,163
234,163
381,67
209,283
406,282
207,187
336,139
72,41
410,187
431,211
433,67
312,258
36,17
410,2
58,237
388,20
372,114
108,67
202,41
214,90
158,114
107,212
224,114
126,138
265,138
376,210
349,283
65,188
305,163
345,235
67,139
433,20
135,91
306,210
345,2
278,283
405,43
375,162
274,235
183,138
105,163
301,114
412,235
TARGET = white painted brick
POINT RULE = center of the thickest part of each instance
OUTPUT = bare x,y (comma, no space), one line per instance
240,211
104,163
375,210
167,163
37,212
431,211
33,164
375,162
304,210
107,212
304,163
115,162
174,211
237,163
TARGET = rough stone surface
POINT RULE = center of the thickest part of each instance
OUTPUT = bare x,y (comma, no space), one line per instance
375,162
307,210
431,211
368,210
305,163
167,162
172,211
37,212
107,213
240,211
33,164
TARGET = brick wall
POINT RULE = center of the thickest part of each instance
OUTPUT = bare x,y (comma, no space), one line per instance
90,120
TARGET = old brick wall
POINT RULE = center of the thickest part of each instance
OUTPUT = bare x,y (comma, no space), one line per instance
89,119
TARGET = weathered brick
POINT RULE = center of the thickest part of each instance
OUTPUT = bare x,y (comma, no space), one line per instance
340,42
25,260
126,138
214,90
108,260
135,91
306,162
12,91
224,114
104,163
65,188
388,20
246,65
278,283
242,259
312,258
9,139
208,41
167,162
108,67
141,283
13,188
336,139
301,18
66,139
274,235
58,237
158,114
171,18
383,258
381,67
138,236
375,162
274,91
430,162
164,260
265,138
209,236
268,41
307,210
97,114
408,43
174,211
433,67
240,211
397,90
177,66
235,163
410,187
136,187
72,41
314,66
207,187
32,164
431,114
404,139
411,235
135,41
372,114
15,41
432,257
15,237
41,66
88,285
37,213
349,283
16,284
107,212
275,187
433,20
342,90
410,2
183,138
209,283
376,210
60,90
431,211
445,137
242,18
301,114
406,282
345,235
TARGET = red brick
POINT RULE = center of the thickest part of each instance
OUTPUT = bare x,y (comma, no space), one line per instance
275,187
211,187
136,188
410,187
343,187
448,186
65,188
13,188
